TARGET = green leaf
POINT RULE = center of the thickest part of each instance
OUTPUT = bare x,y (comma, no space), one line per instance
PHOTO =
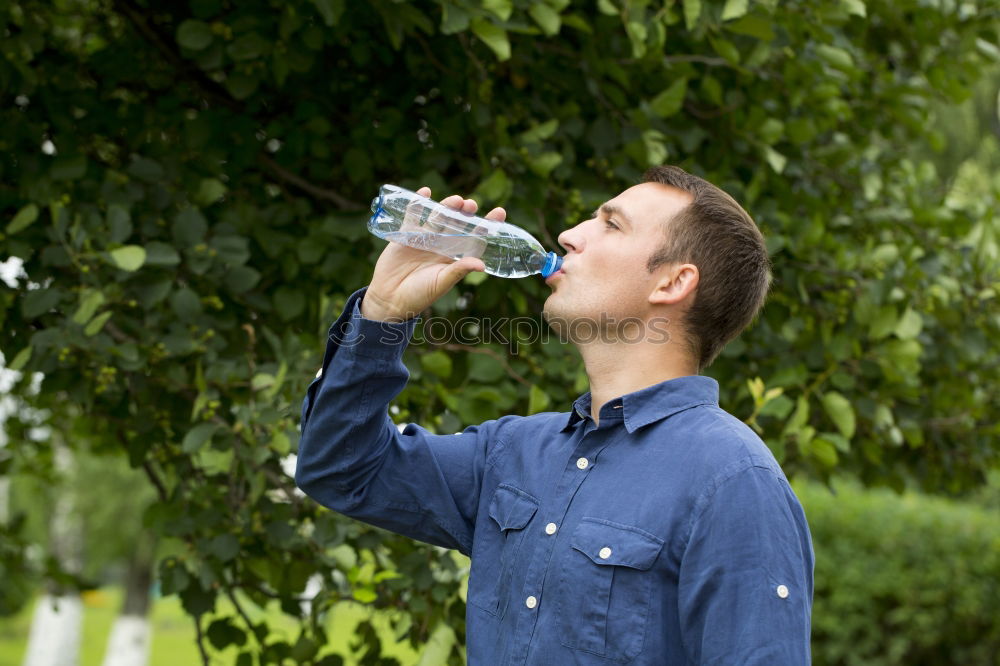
669,101
69,167
884,322
496,187
493,36
836,57
726,49
222,633
502,8
437,362
543,164
824,451
692,12
304,650
194,35
734,9
21,359
90,300
637,34
289,302
841,412
119,223
909,325
233,250
330,10
210,190
248,47
196,600
22,219
539,132
197,436
185,304
39,301
776,160
161,254
855,7
454,19
241,85
224,546
240,279
129,257
800,417
97,323
753,26
546,17
538,400
607,7
189,227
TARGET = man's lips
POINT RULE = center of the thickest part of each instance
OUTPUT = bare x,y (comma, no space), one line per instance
554,276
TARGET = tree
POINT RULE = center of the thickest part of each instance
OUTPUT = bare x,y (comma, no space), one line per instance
187,186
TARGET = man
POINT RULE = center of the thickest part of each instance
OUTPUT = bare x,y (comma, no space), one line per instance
646,526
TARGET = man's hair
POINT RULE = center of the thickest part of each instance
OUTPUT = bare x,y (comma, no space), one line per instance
714,233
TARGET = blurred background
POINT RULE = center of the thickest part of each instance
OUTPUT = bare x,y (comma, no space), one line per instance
183,195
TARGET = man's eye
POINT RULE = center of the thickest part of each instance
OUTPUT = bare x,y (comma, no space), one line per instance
610,224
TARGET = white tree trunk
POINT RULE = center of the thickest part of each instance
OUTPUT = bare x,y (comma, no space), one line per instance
55,627
55,632
129,642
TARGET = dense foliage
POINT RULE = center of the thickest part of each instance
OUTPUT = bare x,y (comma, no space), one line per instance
903,580
186,184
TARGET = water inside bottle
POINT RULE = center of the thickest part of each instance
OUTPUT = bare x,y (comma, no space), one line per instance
504,256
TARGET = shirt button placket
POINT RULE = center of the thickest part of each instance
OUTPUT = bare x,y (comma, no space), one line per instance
582,463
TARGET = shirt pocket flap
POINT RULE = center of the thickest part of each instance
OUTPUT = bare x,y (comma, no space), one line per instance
608,543
511,508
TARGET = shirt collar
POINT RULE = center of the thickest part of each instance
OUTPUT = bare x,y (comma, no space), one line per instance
650,404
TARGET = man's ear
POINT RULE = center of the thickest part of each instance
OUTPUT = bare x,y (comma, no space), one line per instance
677,283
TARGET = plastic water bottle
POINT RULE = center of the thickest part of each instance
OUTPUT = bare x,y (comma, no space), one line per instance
405,217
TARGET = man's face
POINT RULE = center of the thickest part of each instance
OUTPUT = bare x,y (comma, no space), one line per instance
604,276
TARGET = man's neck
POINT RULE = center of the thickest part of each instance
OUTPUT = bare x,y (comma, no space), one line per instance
616,369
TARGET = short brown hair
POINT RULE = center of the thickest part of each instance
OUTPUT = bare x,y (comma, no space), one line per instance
714,233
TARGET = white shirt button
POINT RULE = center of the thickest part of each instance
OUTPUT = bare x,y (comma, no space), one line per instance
582,463
605,553
782,591
551,528
531,602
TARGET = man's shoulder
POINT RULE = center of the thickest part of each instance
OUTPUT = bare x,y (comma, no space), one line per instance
725,443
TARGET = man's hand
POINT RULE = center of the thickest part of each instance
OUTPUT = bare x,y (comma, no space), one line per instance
407,281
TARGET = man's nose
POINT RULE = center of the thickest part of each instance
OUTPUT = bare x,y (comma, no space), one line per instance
571,240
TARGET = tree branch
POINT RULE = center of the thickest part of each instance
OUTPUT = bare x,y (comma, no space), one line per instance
218,94
298,181
201,640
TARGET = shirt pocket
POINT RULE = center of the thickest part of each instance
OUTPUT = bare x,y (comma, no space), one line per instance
498,544
605,588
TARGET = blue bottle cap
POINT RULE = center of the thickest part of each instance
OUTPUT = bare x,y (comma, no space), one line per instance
553,262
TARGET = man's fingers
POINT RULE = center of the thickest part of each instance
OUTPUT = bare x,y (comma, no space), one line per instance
424,191
497,214
454,201
459,269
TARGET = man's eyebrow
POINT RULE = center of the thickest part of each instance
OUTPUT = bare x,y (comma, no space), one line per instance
610,210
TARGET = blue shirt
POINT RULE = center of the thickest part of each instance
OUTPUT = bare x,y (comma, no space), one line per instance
667,534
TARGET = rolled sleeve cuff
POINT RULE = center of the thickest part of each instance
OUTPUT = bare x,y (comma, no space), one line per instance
367,337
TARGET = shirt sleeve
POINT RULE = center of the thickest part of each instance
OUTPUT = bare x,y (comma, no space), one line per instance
746,576
353,459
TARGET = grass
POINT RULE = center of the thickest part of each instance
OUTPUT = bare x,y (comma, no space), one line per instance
173,639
